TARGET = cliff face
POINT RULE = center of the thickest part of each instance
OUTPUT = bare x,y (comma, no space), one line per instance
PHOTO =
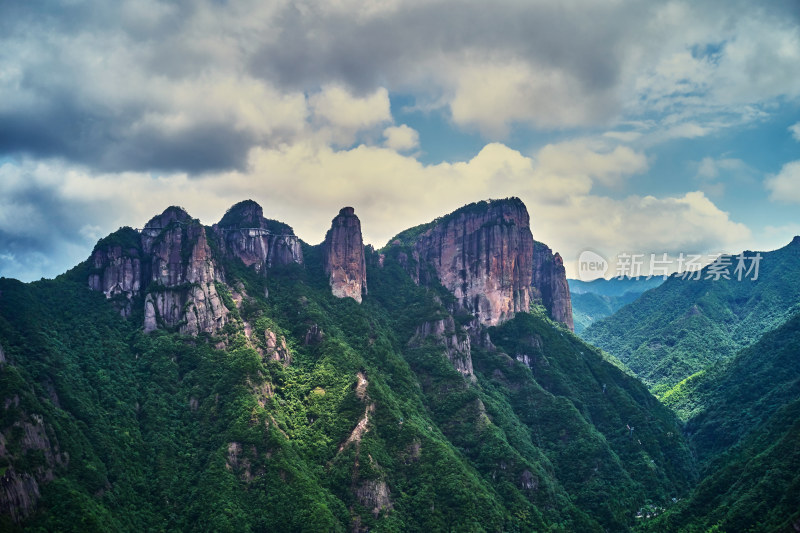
260,243
170,265
343,256
549,284
26,436
117,268
181,275
483,254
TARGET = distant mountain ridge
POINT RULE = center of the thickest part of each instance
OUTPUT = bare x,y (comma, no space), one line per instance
684,325
599,298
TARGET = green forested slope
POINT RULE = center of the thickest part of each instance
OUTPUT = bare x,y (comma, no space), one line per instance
360,430
744,424
588,307
683,326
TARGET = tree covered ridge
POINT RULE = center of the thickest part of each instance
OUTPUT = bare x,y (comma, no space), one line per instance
743,421
257,428
684,325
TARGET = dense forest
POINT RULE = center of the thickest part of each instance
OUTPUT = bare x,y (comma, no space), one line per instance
309,412
685,325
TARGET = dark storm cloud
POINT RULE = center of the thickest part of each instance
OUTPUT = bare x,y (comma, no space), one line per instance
99,83
64,111
45,234
317,43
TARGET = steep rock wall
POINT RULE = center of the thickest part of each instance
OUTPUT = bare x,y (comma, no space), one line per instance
549,284
170,265
181,276
482,253
260,243
343,256
455,341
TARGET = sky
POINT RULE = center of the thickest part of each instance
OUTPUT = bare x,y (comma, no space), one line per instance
626,126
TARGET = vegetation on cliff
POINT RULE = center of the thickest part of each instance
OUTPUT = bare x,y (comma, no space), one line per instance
307,412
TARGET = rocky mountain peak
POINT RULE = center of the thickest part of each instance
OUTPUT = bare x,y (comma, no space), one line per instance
260,243
245,214
173,213
170,264
549,284
343,256
483,254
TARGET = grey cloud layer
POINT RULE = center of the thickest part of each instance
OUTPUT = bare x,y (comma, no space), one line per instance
104,83
205,89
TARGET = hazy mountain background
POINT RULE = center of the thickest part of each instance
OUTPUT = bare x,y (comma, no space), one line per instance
599,298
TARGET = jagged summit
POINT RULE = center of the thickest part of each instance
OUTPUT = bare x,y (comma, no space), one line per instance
260,243
173,213
245,214
484,254
343,256
249,214
503,207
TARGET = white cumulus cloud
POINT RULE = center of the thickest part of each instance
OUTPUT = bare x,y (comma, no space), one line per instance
785,186
401,138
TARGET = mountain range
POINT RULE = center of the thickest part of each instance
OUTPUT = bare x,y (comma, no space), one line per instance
235,378
599,298
686,324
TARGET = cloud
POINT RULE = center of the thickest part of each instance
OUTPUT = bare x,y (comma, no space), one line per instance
492,95
794,129
305,184
194,87
401,138
785,186
596,160
344,114
710,168
107,106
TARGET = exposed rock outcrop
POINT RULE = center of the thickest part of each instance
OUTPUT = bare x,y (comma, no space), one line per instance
170,264
343,256
260,243
276,348
181,275
549,284
19,490
314,335
374,495
483,254
116,267
455,341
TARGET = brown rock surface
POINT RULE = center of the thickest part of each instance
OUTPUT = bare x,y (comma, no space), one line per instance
483,254
549,284
244,233
343,256
181,275
117,267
